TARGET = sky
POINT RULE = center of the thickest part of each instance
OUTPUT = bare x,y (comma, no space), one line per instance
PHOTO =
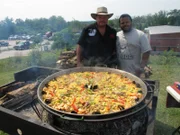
81,9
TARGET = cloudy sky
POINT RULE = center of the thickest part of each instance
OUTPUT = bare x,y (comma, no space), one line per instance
81,9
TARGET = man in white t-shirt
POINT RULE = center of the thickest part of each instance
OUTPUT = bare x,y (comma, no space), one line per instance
133,48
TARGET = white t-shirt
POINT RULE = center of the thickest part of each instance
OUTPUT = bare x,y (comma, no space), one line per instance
130,47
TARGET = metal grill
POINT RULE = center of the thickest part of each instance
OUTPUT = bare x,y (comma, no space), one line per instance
30,117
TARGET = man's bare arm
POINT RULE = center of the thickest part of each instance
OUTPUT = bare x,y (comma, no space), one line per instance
145,58
79,55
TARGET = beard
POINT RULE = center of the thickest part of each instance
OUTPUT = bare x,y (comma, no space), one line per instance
101,24
126,29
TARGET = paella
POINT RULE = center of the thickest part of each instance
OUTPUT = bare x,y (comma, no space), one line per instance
91,93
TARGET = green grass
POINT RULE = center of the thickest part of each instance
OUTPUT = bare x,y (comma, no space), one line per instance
6,77
165,69
167,119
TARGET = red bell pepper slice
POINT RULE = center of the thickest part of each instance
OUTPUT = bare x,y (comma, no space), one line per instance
74,106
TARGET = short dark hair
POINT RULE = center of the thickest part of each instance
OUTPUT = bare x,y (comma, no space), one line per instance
125,15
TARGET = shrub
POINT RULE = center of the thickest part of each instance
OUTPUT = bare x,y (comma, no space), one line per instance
34,58
48,59
166,58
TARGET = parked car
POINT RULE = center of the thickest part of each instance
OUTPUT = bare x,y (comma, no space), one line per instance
4,43
22,45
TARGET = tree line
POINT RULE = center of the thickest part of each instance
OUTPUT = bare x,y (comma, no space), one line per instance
34,26
8,26
171,17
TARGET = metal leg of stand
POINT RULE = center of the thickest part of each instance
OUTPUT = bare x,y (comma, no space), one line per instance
176,131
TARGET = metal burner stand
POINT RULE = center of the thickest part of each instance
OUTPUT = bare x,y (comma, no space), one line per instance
152,106
15,123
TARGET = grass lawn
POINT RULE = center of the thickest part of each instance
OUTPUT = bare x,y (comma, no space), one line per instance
167,119
6,77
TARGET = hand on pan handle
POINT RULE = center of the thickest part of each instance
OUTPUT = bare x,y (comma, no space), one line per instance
139,71
144,72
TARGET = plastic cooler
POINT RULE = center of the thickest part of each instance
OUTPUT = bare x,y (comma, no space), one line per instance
174,91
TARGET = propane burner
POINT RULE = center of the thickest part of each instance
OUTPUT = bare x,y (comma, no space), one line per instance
132,122
132,125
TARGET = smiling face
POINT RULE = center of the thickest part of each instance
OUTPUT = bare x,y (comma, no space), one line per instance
125,24
102,20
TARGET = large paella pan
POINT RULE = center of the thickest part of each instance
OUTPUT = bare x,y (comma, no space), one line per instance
91,92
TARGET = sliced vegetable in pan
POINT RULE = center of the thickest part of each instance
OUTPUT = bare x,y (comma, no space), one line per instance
91,93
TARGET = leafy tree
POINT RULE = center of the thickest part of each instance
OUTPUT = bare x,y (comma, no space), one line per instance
114,23
59,42
76,26
37,39
162,18
139,22
7,28
56,23
174,17
20,26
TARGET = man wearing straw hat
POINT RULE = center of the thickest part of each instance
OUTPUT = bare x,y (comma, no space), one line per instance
97,42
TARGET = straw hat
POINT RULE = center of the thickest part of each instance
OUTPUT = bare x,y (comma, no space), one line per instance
101,11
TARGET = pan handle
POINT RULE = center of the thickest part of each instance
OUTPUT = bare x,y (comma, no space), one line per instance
69,118
63,116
